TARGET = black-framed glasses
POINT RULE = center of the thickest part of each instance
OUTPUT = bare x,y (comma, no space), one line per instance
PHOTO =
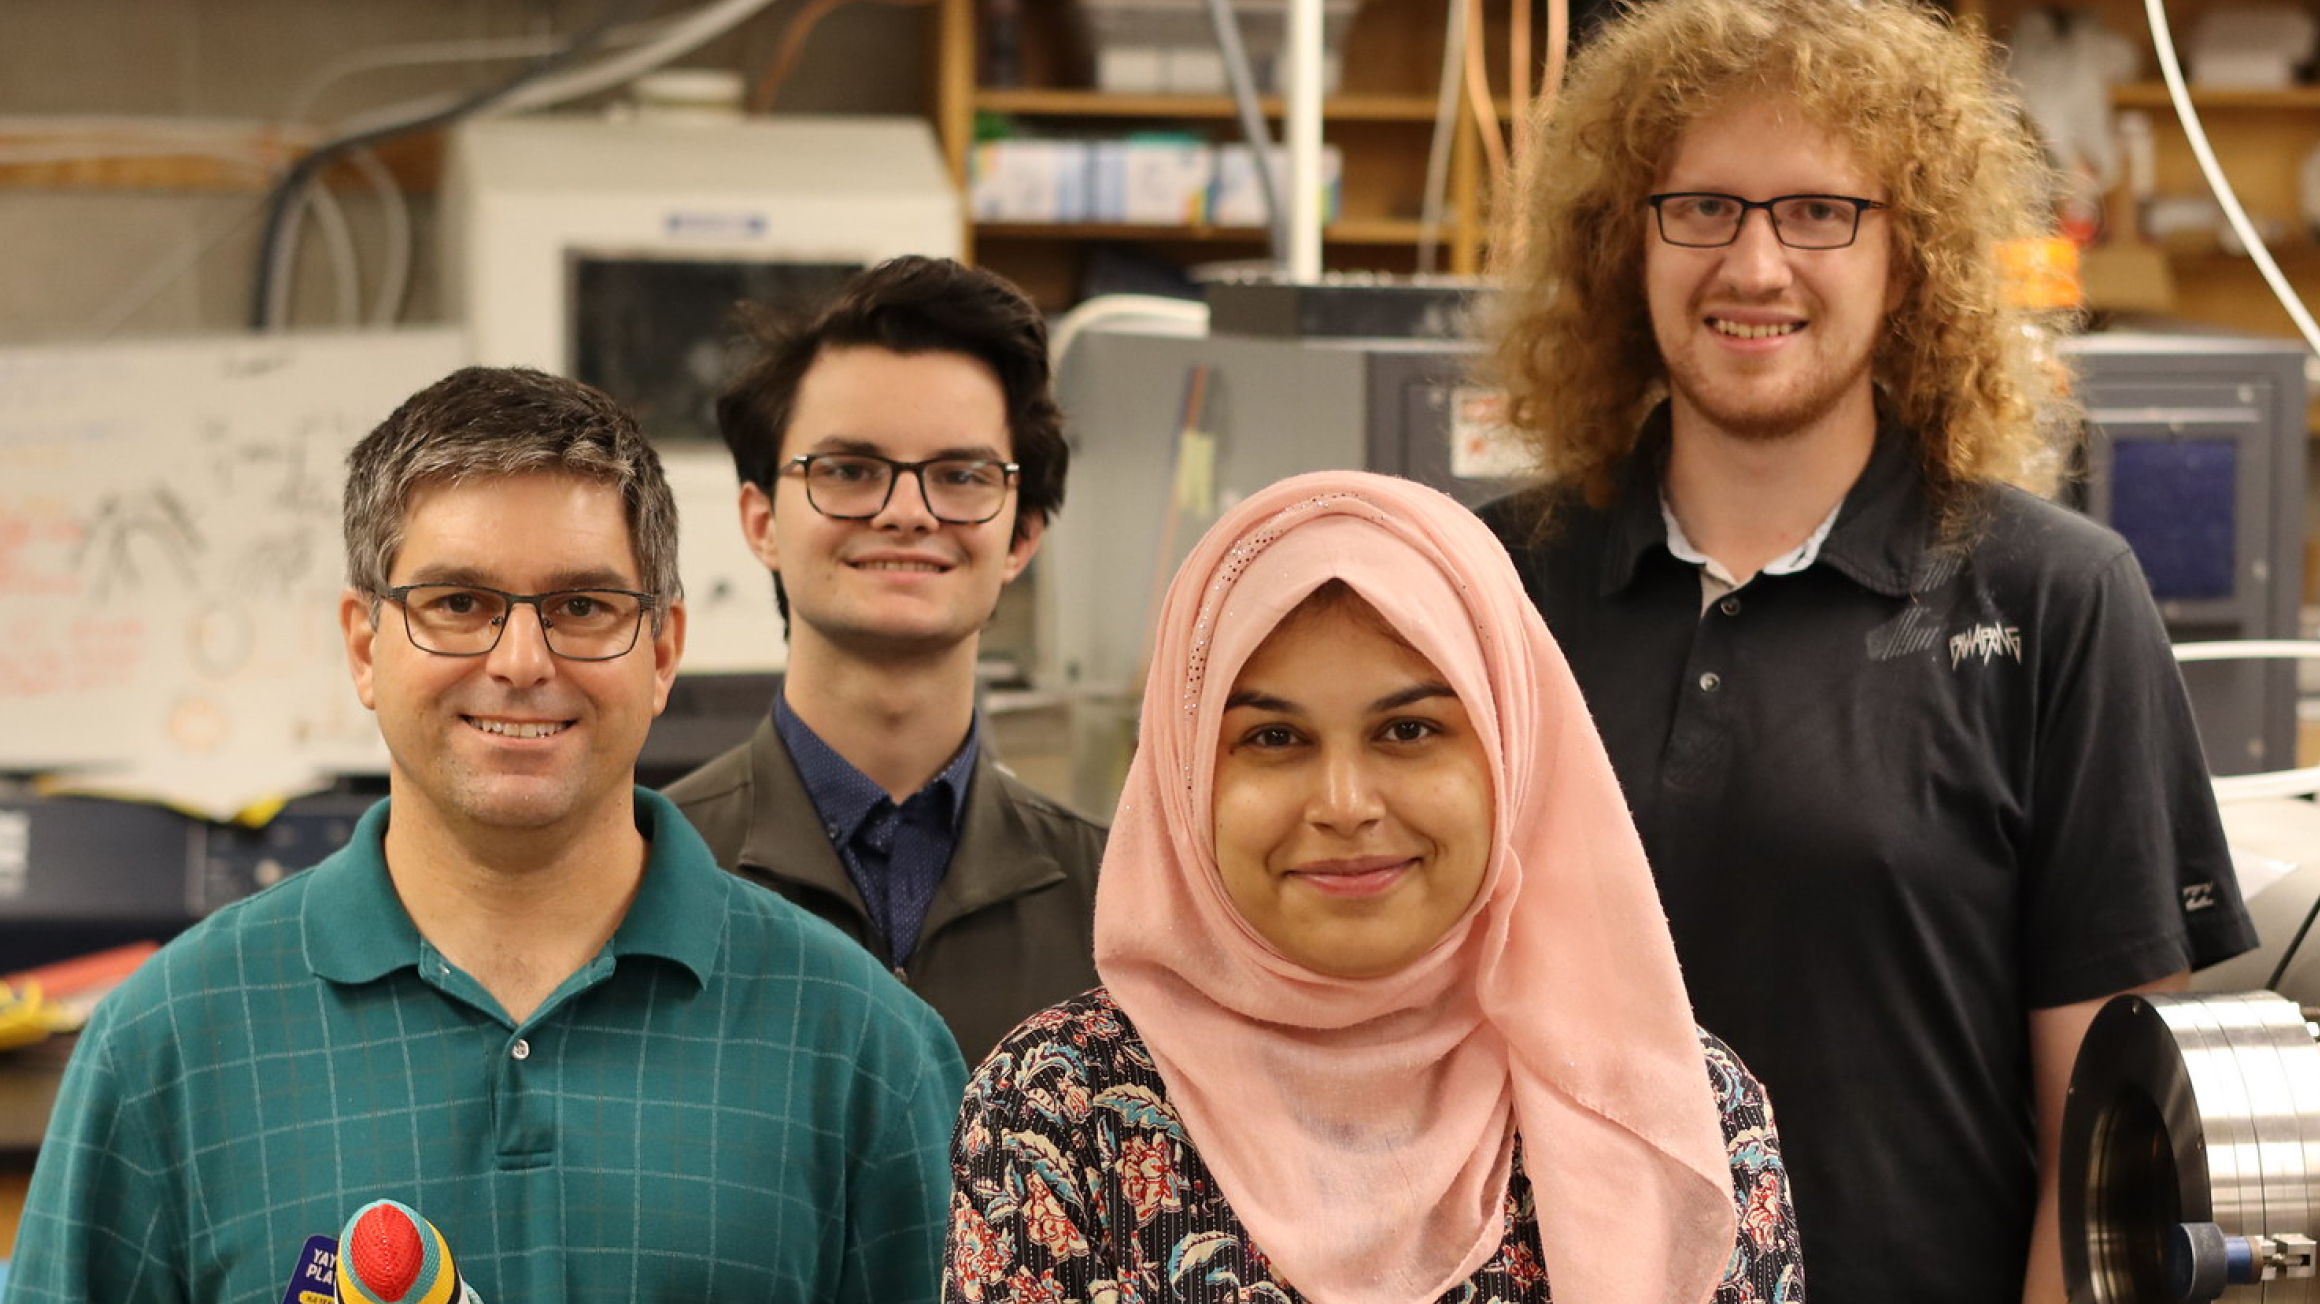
467,620
857,486
1701,219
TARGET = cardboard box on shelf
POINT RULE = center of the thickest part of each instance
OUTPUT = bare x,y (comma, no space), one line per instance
2127,276
1149,182
1167,46
1028,180
1237,198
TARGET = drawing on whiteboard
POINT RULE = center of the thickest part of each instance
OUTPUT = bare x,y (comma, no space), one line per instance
36,540
277,563
221,639
197,726
131,536
282,471
170,558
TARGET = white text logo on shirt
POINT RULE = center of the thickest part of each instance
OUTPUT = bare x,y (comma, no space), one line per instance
1985,641
2198,896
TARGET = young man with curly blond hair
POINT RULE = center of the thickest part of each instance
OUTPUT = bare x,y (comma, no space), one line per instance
1905,740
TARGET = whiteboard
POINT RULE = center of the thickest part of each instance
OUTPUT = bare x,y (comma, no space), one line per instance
170,555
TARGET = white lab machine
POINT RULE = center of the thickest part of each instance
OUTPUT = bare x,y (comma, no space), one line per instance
530,201
614,252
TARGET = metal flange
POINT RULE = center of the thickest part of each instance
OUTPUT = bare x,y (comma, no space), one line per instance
2190,1163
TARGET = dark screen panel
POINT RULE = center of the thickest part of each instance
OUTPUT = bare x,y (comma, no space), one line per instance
2176,501
658,334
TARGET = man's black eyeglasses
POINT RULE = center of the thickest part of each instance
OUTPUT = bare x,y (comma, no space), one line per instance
857,486
467,620
1700,219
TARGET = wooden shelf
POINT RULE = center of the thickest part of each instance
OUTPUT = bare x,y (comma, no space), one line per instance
1381,125
1102,104
1357,231
2153,95
250,167
2291,257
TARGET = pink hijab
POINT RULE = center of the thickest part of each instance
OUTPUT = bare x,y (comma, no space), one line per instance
1362,1129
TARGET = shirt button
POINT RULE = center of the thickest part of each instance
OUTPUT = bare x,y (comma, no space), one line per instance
1710,682
521,1050
1729,606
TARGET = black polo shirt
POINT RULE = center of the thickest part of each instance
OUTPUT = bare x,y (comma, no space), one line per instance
1894,802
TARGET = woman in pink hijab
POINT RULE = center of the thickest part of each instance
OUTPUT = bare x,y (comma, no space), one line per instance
1390,1013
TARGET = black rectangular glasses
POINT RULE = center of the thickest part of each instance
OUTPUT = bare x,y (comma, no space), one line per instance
857,486
1702,219
467,620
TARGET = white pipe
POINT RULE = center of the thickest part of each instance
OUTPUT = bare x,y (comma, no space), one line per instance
1157,315
674,39
422,54
2163,44
338,243
2250,649
394,237
2231,788
1304,132
677,39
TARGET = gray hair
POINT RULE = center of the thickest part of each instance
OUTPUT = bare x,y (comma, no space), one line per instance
486,423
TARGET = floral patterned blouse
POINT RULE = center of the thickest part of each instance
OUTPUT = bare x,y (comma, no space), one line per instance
1073,1181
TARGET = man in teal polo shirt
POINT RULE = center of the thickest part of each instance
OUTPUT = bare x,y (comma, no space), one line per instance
524,999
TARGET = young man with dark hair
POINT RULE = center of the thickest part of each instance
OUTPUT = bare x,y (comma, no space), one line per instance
900,455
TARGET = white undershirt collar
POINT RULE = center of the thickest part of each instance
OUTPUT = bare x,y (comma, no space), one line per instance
1715,580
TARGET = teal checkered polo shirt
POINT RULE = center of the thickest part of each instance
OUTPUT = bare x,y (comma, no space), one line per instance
732,1101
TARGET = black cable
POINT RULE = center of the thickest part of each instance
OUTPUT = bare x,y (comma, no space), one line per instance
290,191
2280,971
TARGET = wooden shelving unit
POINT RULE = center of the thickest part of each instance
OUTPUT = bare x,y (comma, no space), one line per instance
1098,104
2261,138
1380,231
2153,95
156,163
1381,122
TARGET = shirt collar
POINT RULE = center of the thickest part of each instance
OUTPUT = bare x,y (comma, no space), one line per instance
1881,535
844,796
1886,539
1788,563
357,931
682,888
356,928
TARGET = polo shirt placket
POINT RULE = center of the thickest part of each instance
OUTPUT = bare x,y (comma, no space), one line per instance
523,1123
1699,738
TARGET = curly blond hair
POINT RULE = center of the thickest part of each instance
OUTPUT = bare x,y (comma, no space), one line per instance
1923,106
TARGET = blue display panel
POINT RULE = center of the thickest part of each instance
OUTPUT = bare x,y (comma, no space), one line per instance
2176,501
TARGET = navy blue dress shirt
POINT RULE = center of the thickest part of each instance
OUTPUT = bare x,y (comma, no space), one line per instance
895,853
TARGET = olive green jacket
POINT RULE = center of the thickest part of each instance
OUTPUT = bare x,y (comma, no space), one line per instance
1011,930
